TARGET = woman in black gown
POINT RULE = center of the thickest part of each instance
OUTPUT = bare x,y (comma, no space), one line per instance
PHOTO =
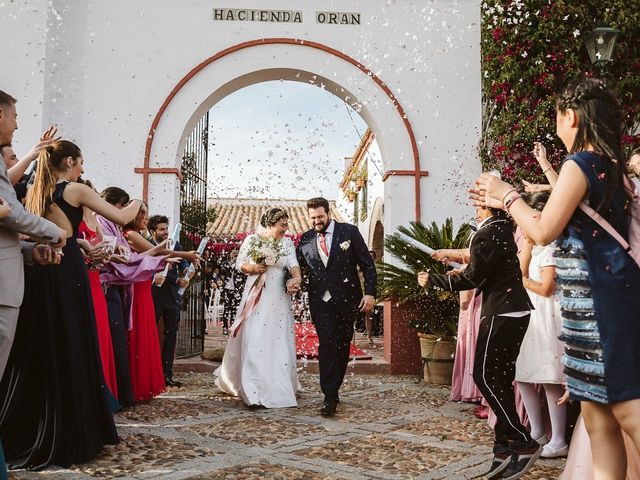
54,410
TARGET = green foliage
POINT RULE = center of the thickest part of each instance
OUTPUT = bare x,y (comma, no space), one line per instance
197,214
437,310
212,214
530,49
364,205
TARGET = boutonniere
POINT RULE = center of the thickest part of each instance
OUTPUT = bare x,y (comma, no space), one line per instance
345,245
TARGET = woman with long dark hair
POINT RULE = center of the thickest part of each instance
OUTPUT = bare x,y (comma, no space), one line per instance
54,410
598,278
145,360
90,240
119,280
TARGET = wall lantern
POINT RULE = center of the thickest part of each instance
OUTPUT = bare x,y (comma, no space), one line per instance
600,44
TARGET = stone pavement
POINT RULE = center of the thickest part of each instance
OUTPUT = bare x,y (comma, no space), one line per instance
387,427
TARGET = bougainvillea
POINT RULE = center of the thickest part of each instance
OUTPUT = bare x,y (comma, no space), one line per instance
530,49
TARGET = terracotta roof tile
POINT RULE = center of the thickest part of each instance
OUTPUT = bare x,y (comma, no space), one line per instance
242,215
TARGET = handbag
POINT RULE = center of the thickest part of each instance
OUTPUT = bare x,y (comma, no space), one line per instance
632,247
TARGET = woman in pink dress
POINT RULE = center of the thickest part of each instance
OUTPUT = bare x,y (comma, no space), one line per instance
463,388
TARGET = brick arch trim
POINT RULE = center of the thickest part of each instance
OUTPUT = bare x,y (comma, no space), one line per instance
417,173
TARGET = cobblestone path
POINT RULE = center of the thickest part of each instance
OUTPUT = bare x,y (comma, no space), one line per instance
387,427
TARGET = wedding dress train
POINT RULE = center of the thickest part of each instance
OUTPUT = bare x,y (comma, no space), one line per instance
259,363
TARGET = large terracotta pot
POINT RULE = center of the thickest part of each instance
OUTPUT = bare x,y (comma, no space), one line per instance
437,358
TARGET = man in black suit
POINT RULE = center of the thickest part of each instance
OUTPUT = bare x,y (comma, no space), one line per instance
494,270
166,299
330,255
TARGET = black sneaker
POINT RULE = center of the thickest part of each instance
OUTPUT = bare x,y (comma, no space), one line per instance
501,459
522,459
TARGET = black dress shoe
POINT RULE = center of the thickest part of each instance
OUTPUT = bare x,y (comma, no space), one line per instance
328,408
170,382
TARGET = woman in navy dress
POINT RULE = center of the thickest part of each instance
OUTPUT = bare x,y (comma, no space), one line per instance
598,278
54,408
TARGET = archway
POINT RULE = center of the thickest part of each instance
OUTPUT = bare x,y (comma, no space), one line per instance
233,68
377,245
376,229
302,61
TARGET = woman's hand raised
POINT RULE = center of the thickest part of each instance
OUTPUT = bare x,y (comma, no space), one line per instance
489,191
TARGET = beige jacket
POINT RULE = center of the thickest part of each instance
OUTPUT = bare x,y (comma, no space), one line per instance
11,261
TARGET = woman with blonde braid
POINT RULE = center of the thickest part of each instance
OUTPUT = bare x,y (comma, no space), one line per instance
54,410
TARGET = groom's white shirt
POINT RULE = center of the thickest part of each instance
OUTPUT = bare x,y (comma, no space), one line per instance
328,236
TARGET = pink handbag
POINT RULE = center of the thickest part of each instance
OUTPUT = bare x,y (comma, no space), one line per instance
633,245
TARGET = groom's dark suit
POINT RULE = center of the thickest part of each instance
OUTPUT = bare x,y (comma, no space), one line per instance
334,317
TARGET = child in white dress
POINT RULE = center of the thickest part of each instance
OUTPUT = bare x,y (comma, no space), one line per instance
539,362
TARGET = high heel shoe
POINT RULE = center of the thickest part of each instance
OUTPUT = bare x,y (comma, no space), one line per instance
481,412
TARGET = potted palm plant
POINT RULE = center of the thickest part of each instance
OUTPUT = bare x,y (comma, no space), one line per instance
434,312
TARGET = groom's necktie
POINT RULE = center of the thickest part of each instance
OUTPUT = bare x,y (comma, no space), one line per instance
323,244
324,256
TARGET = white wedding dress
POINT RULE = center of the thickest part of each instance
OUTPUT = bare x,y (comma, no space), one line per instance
259,364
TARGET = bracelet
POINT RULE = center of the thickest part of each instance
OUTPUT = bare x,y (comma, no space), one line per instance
511,200
547,169
507,194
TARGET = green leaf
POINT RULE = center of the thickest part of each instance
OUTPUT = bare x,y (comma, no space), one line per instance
435,311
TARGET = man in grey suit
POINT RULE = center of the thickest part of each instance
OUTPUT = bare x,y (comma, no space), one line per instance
11,249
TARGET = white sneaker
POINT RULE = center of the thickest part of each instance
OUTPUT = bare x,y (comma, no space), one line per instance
543,440
549,452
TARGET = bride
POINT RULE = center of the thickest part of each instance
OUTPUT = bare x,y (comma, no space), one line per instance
259,363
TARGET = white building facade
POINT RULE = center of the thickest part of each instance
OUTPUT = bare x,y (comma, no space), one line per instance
128,81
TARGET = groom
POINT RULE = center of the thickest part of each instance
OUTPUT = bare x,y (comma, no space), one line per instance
330,255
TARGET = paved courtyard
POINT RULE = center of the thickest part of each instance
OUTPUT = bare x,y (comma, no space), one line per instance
386,428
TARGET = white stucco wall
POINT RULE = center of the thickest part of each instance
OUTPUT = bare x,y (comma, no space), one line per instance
22,68
101,70
375,191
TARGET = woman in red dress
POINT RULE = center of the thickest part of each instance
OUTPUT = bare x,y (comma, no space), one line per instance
89,232
145,361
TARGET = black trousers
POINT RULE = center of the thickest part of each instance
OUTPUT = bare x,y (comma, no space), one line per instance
334,327
494,370
118,324
170,313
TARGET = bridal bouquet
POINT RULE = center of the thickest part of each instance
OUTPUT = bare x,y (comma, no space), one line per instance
266,251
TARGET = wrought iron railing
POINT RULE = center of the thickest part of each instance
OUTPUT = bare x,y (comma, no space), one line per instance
193,216
190,338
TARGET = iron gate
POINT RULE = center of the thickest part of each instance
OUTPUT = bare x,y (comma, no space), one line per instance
193,216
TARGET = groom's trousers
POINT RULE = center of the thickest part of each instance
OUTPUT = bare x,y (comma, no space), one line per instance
334,326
